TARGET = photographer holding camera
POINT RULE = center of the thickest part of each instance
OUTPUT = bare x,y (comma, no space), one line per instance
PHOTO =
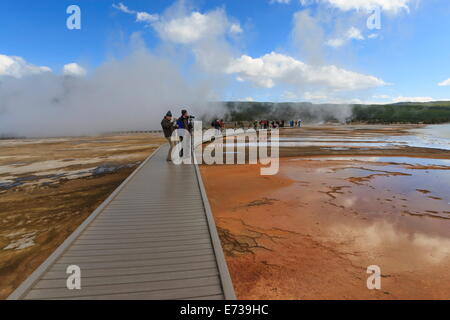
169,125
184,123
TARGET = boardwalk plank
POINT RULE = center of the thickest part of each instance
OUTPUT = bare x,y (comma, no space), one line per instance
142,234
61,273
85,253
140,256
123,288
126,279
179,294
151,244
141,244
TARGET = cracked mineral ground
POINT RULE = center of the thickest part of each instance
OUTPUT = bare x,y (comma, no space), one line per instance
345,198
49,186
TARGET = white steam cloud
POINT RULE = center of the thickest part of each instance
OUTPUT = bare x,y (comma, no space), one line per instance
196,57
130,94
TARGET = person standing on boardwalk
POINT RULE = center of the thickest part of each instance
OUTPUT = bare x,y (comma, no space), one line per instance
184,124
217,127
168,126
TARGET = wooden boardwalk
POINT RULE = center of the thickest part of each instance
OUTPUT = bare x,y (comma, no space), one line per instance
153,238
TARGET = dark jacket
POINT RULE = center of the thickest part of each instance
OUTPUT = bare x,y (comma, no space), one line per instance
217,125
184,123
168,127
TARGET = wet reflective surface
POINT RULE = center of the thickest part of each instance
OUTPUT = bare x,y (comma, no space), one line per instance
388,203
345,198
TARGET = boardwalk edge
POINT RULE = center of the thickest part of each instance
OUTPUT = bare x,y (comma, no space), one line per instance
28,283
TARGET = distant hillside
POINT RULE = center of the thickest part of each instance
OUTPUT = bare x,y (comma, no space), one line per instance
429,112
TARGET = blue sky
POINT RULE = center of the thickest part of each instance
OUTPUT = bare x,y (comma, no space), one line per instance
297,50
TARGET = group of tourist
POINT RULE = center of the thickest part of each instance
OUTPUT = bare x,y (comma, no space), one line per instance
271,124
268,124
184,122
219,125
295,123
169,125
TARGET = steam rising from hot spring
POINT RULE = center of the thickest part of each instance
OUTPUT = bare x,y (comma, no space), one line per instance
129,94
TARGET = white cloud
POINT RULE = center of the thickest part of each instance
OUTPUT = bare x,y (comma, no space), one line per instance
312,96
207,35
412,99
444,83
122,8
247,99
386,99
330,97
381,96
74,69
146,17
235,28
289,96
308,36
274,68
391,6
17,67
281,1
351,34
307,2
184,28
354,33
193,28
141,16
319,96
204,34
336,43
